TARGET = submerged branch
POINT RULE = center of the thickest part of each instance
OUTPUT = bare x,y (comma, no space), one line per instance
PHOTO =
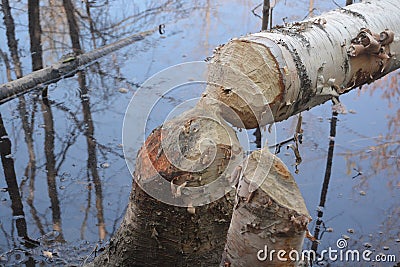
63,69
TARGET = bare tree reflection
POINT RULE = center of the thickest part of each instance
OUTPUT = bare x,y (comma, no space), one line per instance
324,191
7,64
30,170
89,126
92,156
37,63
51,169
11,39
35,34
34,30
94,25
12,187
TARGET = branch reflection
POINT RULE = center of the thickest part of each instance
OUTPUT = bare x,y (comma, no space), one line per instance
324,191
51,168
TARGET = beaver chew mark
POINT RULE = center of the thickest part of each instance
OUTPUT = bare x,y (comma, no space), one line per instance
245,76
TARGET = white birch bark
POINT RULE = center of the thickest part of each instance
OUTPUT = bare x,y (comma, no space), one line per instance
301,65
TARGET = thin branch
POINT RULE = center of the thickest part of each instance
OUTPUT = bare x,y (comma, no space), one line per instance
254,11
63,69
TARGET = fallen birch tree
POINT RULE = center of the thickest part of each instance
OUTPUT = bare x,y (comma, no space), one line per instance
298,66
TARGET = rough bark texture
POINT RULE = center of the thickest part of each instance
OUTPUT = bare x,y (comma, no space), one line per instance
304,64
270,217
157,234
59,70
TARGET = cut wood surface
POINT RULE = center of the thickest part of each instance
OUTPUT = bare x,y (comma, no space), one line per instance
300,65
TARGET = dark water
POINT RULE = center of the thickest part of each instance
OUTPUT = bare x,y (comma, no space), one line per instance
72,182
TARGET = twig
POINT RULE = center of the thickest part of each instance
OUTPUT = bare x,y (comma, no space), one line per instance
309,12
254,10
279,145
93,251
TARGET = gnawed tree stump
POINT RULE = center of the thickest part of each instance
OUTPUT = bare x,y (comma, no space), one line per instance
268,218
304,64
181,154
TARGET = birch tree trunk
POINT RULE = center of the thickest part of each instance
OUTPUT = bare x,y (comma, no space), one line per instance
304,64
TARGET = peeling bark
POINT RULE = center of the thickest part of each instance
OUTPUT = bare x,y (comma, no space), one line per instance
270,218
299,66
